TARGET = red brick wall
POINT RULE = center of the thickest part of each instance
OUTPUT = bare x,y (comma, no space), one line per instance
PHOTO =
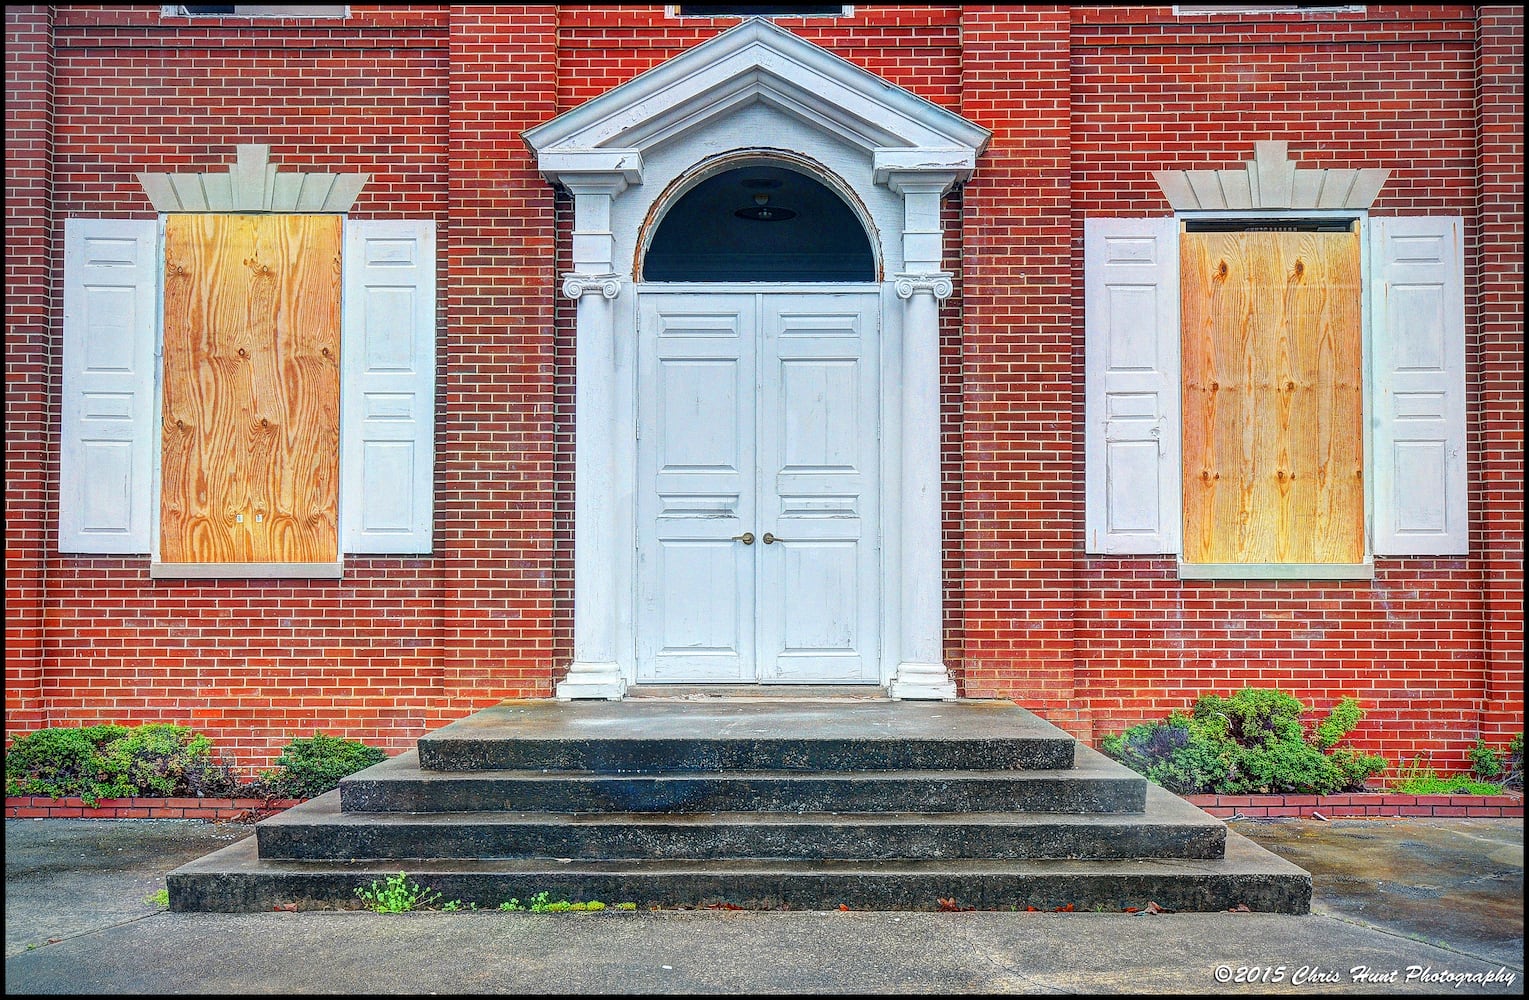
1500,311
1389,87
30,346
1019,502
499,452
913,47
250,663
1084,104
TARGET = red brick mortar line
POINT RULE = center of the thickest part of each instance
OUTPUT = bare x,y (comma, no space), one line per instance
209,809
1360,805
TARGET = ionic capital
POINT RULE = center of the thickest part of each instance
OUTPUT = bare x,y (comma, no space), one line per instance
937,284
576,286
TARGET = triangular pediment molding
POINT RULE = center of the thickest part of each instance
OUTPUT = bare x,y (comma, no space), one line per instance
756,62
1271,180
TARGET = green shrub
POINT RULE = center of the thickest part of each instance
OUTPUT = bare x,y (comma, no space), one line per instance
1181,754
309,767
1504,767
112,761
1342,720
1486,763
60,762
1255,716
1251,742
163,759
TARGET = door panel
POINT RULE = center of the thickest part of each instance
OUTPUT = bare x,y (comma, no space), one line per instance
696,464
758,413
818,446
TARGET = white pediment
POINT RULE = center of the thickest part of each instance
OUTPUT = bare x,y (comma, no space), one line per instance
252,184
756,62
1271,180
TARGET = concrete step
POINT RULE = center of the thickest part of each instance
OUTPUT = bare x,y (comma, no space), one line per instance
236,880
751,802
400,785
318,829
660,735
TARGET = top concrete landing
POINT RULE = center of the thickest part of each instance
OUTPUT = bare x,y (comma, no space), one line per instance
751,719
683,735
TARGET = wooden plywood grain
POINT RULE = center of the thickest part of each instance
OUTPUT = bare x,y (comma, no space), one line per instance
251,389
1273,444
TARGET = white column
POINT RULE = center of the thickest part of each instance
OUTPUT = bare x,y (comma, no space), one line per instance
921,672
921,669
595,671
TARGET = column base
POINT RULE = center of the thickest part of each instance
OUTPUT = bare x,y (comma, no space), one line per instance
922,682
592,680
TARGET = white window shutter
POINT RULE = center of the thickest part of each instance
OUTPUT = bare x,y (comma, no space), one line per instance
1131,423
1419,412
106,461
388,386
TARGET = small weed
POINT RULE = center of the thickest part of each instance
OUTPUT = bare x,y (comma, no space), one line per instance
1414,779
397,895
160,897
1460,784
456,904
543,903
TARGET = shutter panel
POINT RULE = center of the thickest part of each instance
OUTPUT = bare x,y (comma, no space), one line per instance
1419,338
106,464
1131,424
388,386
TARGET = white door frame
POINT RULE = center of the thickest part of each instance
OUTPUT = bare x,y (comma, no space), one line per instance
620,156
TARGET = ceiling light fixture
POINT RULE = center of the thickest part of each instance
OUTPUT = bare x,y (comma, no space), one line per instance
762,211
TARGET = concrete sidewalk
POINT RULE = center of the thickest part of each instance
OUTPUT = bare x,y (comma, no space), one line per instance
1443,898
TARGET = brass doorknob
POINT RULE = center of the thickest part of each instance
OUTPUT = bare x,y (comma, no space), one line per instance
747,538
770,539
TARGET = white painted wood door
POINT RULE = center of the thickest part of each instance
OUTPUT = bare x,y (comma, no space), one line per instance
758,440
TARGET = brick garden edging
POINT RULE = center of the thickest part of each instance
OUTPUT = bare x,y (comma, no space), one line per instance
1351,805
209,809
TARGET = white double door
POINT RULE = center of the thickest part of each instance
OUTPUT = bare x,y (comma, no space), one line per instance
757,482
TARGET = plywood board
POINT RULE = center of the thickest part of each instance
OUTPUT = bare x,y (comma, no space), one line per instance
1273,445
251,389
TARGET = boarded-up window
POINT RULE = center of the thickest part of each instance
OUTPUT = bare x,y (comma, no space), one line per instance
1273,444
251,389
